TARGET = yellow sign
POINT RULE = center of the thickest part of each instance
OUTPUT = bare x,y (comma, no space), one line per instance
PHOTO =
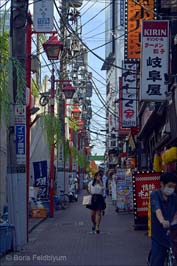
137,11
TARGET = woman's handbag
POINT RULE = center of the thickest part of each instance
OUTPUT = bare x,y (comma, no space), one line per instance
87,200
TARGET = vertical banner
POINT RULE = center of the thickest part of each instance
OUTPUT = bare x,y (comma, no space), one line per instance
122,131
155,59
122,12
129,93
40,178
144,183
135,14
60,163
20,133
43,16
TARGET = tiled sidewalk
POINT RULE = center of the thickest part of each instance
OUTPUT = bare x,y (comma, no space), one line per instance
66,240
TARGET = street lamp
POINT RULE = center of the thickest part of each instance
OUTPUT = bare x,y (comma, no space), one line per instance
76,112
68,91
53,48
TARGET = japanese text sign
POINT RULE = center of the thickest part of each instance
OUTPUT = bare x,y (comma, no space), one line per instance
20,133
144,183
122,131
43,16
136,13
40,177
155,56
129,93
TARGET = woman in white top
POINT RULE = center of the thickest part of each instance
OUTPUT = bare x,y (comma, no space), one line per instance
96,189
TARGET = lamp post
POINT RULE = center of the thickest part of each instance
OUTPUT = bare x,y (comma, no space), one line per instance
53,48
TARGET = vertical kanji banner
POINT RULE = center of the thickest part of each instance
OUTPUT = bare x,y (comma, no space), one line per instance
144,183
122,131
135,14
129,93
40,178
155,60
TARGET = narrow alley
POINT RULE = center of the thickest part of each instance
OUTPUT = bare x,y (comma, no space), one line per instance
66,239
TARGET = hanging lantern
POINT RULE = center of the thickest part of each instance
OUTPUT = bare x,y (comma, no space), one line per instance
53,48
68,91
76,112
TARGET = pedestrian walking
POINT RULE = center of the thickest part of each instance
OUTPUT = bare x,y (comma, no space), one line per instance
96,189
163,209
114,190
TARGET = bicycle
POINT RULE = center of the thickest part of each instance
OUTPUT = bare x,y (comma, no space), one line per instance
170,257
63,200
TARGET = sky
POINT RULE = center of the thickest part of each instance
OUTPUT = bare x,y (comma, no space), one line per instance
92,10
92,37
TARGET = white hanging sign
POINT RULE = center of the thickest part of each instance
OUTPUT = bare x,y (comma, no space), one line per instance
129,94
43,16
155,60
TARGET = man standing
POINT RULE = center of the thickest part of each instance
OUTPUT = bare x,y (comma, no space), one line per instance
163,209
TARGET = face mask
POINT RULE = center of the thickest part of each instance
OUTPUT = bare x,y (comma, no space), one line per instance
168,191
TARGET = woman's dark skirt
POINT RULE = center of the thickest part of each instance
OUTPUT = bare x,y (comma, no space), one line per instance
97,203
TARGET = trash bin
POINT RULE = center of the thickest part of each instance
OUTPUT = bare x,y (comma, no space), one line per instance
3,232
6,237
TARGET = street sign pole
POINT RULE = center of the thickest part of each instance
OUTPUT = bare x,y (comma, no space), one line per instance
16,146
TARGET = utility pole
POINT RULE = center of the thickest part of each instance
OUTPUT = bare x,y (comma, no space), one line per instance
62,104
16,169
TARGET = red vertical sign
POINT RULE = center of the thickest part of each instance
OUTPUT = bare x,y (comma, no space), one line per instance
144,183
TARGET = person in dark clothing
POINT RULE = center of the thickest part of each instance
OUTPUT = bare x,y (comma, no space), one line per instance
96,189
163,209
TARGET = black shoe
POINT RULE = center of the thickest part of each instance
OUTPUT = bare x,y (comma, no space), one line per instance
93,228
97,231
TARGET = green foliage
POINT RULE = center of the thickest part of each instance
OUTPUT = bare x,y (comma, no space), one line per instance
21,80
4,69
52,129
34,88
80,158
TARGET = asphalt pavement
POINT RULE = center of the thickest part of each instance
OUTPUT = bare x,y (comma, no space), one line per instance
66,239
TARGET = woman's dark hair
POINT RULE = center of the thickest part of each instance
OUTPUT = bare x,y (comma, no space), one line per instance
95,176
168,177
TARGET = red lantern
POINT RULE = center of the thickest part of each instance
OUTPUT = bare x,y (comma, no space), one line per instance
53,47
68,91
76,112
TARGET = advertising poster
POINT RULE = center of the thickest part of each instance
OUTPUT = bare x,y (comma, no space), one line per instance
124,190
144,183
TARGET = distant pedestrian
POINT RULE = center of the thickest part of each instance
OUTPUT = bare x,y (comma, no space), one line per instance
114,190
163,209
96,189
104,180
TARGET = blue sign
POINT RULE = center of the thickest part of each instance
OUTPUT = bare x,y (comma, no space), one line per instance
20,131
